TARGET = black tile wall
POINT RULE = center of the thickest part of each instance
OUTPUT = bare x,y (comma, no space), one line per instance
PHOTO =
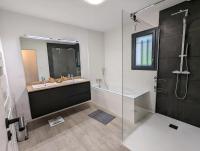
167,65
166,46
187,110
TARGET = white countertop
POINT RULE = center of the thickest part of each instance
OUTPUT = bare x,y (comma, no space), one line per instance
39,87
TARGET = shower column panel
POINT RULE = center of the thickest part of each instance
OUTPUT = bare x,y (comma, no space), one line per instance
171,42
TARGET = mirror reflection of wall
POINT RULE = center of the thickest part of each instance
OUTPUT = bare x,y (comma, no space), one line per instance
44,59
63,60
30,65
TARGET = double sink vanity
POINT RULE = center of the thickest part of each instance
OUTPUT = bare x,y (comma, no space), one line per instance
51,97
59,62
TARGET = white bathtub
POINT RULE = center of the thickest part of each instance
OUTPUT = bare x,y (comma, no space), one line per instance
111,100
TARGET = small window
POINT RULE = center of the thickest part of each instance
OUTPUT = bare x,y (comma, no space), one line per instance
144,50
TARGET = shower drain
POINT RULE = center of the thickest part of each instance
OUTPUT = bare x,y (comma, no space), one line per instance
173,126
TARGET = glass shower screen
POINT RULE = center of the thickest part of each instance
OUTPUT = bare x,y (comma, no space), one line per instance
138,74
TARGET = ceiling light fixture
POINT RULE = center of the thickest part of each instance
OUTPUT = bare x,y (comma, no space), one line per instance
94,2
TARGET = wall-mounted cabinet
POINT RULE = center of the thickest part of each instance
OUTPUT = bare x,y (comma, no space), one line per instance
50,100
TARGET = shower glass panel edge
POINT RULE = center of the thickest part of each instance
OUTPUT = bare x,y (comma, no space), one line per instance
134,109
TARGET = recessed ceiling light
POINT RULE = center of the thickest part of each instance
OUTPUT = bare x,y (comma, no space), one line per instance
94,2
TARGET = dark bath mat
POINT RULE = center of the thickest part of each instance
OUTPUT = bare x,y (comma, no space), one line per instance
101,116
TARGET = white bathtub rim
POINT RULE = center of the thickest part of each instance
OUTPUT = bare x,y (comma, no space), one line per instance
127,94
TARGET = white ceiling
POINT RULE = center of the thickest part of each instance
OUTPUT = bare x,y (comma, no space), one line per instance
77,12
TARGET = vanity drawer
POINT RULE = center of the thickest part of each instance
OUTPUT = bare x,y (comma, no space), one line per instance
54,99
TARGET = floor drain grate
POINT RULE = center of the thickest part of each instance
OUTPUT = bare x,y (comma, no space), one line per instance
173,126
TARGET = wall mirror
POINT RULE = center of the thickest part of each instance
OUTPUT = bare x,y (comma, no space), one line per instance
43,59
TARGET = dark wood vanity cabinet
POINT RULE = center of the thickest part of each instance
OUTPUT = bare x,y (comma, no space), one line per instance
54,99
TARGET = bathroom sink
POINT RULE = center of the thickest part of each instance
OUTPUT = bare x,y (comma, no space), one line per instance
39,86
79,80
74,81
46,85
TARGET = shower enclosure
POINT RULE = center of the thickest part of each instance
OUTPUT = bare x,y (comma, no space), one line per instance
139,39
183,56
179,63
160,71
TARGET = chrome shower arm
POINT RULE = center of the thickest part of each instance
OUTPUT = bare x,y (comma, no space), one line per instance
186,11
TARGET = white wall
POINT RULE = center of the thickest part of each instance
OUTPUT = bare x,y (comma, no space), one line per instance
113,58
42,56
96,44
6,108
14,25
132,79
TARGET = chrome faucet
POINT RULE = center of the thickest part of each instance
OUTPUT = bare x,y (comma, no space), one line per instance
43,80
72,76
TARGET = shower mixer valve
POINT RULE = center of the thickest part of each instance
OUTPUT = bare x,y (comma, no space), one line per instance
183,57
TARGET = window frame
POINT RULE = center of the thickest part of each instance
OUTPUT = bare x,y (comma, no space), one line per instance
153,32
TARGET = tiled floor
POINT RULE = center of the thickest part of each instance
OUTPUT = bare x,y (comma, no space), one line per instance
154,134
78,133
